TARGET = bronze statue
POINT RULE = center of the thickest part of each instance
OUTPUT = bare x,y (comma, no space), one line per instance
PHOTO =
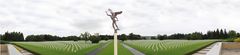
114,18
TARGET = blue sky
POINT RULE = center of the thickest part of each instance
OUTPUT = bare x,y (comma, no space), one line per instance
145,17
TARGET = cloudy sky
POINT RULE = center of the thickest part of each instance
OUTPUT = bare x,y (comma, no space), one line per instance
145,17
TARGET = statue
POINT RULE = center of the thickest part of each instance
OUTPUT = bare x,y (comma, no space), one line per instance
114,18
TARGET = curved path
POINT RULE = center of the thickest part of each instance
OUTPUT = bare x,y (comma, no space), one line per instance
24,52
205,51
134,51
12,50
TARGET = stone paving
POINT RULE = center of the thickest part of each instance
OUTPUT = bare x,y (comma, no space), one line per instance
204,50
3,49
12,50
231,48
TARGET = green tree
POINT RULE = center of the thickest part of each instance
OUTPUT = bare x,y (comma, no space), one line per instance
221,34
42,37
134,36
35,38
2,37
85,36
196,35
123,37
74,38
94,39
104,37
232,33
161,37
13,36
238,34
225,34
188,36
153,37
217,33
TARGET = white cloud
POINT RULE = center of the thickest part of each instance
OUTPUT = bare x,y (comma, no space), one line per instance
146,17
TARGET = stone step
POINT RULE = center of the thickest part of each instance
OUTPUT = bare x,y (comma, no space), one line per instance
24,52
206,49
198,54
202,52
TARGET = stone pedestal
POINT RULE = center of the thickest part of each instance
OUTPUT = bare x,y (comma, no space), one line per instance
115,44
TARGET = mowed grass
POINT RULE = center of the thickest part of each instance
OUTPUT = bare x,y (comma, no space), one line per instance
168,47
59,47
109,50
122,50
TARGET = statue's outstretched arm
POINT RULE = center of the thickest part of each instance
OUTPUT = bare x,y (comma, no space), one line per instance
119,12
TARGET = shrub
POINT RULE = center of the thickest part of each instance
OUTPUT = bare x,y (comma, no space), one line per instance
237,40
94,39
123,37
3,42
229,40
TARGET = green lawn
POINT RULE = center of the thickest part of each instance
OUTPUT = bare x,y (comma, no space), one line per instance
123,51
109,50
168,47
149,47
59,47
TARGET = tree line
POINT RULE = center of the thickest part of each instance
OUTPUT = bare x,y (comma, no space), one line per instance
12,36
18,36
131,36
215,34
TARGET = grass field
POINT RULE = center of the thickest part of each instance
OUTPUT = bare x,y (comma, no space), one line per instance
167,47
109,50
59,47
123,51
149,47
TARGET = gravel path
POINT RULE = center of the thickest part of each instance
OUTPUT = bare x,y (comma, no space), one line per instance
12,50
231,48
134,51
230,52
3,49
